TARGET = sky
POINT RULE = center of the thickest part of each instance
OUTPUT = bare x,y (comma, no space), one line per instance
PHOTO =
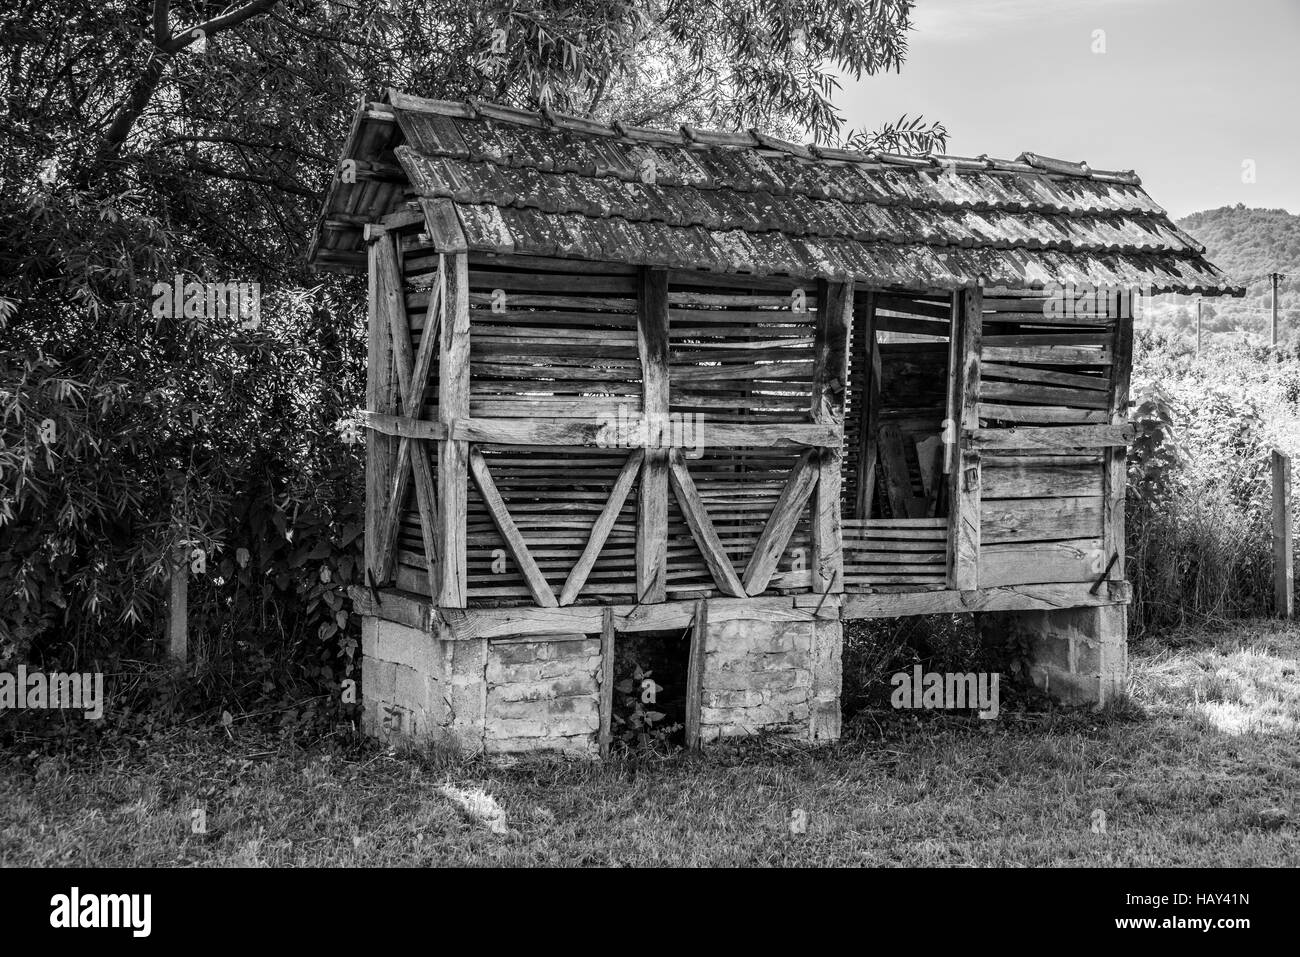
1185,92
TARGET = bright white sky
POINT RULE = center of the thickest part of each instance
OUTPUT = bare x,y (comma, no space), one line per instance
1186,91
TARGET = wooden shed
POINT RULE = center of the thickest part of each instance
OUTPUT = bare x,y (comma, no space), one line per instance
724,392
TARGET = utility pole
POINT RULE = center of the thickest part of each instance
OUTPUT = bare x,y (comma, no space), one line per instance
1274,276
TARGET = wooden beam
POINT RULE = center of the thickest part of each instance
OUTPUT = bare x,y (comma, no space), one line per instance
537,584
780,525
1006,598
695,675
381,398
560,623
443,225
496,431
652,496
1056,437
701,526
462,624
964,488
829,386
453,404
1115,457
603,525
606,680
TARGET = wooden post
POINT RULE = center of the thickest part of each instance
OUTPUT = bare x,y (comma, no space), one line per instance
869,412
1199,303
381,397
1115,458
695,675
1283,563
453,454
652,496
1274,277
178,638
606,679
964,491
829,384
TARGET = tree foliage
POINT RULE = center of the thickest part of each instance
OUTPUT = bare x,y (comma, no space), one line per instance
149,143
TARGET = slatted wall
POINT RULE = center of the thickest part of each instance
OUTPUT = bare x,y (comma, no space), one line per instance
1045,361
740,352
550,344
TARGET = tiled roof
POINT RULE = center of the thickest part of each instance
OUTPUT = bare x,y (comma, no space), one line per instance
554,185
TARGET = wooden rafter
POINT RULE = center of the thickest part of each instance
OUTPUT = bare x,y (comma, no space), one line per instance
496,506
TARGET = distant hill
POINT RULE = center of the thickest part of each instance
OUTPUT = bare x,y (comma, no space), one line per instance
1247,244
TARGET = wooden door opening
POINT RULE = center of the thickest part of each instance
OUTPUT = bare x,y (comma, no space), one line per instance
898,440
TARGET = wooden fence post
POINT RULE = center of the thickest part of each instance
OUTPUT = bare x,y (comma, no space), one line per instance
178,637
1283,567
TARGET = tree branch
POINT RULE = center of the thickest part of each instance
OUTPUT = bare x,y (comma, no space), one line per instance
146,84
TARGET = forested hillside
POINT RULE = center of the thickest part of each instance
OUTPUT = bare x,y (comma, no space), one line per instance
1248,244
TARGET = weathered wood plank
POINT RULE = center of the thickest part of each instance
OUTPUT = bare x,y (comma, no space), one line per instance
829,388
453,454
964,493
1051,437
1028,563
1116,457
695,674
606,680
1040,519
652,495
1038,477
381,398
1007,598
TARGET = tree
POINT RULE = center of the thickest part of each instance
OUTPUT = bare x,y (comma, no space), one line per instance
149,140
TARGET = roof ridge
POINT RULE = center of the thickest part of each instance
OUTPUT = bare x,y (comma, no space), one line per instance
688,136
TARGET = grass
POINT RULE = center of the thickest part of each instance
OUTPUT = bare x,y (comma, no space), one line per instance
1199,767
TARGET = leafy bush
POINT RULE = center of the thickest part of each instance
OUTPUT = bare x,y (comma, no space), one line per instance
1199,490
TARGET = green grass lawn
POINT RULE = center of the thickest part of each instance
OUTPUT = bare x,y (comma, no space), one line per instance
1201,768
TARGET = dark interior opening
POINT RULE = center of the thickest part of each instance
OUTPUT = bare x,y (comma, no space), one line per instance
662,657
895,455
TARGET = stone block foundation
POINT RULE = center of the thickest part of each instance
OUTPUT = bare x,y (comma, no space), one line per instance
1078,656
761,672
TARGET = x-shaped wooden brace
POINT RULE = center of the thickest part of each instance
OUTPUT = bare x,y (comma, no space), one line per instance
412,378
